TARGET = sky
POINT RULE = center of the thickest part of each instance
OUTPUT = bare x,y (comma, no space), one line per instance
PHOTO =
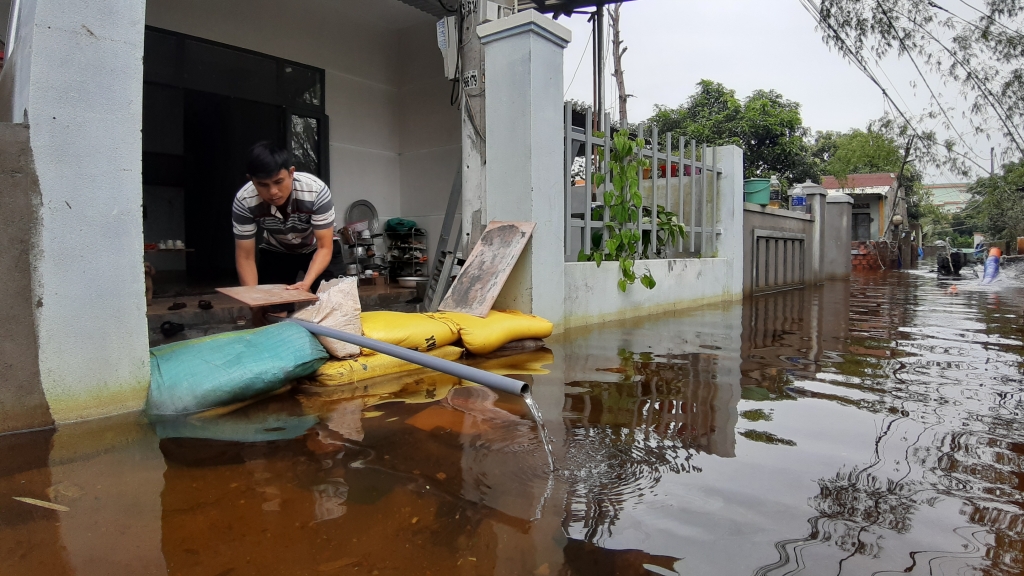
747,45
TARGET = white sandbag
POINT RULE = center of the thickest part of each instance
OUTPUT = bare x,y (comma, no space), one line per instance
337,308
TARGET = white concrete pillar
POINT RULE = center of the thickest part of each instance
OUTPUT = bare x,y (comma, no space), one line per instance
525,153
84,103
816,207
730,214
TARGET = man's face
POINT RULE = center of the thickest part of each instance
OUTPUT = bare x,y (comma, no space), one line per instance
277,188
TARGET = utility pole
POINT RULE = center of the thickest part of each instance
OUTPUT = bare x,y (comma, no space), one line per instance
617,51
992,161
599,67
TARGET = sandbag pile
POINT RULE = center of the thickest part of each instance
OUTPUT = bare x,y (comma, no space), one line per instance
437,334
194,375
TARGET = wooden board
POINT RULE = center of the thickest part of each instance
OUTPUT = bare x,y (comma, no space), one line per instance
267,295
487,268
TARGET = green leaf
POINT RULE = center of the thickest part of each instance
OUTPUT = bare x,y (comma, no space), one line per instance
648,281
622,284
608,198
582,257
598,257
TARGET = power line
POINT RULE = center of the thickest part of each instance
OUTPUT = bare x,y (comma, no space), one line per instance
580,62
997,22
813,9
925,80
982,88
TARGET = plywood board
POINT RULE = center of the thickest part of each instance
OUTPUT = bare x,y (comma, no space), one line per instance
487,268
267,295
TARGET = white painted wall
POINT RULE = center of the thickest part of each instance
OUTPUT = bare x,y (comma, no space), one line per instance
592,294
430,136
85,106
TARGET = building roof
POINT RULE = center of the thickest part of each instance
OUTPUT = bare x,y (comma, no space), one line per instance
880,183
434,8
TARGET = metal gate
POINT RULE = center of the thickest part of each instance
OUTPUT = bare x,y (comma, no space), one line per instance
778,260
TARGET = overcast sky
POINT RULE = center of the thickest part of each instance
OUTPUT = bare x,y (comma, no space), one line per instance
746,45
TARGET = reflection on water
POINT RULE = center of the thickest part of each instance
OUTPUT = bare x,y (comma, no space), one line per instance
869,427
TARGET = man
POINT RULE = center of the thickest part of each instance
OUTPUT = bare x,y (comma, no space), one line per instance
296,213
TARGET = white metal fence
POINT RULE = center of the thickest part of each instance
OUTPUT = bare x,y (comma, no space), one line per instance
684,182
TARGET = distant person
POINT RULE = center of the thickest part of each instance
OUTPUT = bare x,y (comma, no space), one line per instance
296,215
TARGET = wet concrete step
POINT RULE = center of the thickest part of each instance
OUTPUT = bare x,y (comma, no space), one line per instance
229,314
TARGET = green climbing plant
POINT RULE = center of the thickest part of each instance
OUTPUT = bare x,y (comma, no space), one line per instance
625,242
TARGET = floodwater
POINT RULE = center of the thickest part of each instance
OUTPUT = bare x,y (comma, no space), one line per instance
863,427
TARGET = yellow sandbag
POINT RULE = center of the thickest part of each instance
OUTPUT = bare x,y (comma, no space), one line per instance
408,330
338,372
485,335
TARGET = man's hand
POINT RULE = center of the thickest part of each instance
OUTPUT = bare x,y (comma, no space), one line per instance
305,286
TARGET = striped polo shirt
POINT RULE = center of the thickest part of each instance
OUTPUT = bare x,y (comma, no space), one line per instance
309,208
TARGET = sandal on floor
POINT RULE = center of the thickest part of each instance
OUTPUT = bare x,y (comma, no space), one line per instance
177,306
205,305
169,328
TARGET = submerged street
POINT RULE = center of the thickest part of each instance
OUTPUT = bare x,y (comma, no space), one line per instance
862,427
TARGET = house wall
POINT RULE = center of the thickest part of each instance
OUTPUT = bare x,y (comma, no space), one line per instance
429,132
869,205
391,130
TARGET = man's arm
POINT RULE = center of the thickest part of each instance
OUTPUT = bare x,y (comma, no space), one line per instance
245,262
321,259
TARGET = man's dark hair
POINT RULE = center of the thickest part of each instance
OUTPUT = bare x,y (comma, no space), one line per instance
266,160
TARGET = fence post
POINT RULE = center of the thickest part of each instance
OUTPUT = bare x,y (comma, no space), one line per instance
730,213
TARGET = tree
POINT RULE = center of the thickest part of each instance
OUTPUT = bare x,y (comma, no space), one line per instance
618,50
768,127
981,51
1000,213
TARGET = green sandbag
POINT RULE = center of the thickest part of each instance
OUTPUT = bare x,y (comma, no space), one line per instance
226,368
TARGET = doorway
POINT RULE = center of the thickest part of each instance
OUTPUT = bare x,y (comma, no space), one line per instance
862,227
204,105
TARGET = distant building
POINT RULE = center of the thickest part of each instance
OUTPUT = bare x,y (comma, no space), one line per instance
950,198
873,199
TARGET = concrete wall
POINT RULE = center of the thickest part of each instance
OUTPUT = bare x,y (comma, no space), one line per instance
764,218
826,225
84,97
592,294
22,402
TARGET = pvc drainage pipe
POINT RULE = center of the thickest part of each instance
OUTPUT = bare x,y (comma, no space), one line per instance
491,380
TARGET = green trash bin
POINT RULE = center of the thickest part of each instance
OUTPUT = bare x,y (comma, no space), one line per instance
757,191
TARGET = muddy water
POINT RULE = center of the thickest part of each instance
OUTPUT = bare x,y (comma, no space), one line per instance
870,427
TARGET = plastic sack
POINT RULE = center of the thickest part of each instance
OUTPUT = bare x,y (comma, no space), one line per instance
341,372
409,330
399,225
337,308
485,335
199,374
991,269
